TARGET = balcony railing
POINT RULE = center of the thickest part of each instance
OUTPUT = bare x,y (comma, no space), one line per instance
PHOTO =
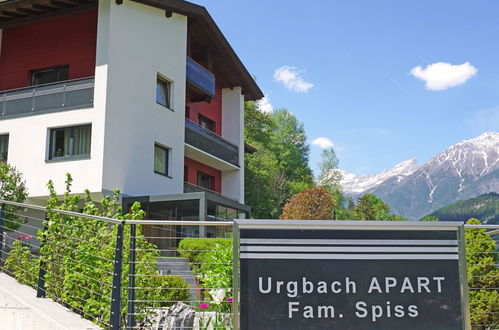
189,187
209,142
200,78
65,95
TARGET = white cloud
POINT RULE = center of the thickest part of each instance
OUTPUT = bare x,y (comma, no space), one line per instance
291,78
323,142
441,75
264,105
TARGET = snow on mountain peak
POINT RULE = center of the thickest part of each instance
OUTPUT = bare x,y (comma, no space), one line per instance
353,184
464,170
486,140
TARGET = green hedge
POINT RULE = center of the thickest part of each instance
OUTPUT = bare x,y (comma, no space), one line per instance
201,250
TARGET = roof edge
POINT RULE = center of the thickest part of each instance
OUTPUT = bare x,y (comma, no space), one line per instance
252,91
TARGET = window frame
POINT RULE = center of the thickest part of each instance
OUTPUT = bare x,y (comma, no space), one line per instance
209,124
212,178
166,160
167,84
7,148
51,143
58,71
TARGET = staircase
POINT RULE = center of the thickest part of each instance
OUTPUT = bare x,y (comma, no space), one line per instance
179,266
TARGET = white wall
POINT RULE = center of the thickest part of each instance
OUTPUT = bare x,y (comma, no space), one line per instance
28,145
233,131
143,42
134,43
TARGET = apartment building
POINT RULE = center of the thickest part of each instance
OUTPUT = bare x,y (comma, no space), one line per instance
146,96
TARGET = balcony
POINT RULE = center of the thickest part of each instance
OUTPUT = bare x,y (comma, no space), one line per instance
200,82
210,143
61,96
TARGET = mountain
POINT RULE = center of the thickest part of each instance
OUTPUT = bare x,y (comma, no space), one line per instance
465,170
485,208
353,184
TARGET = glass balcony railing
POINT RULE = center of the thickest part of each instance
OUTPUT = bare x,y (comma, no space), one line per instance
189,187
65,95
202,79
209,142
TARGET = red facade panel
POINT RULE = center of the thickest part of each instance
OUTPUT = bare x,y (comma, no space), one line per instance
69,40
212,110
193,167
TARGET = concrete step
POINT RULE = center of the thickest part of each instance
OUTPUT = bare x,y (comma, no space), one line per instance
179,266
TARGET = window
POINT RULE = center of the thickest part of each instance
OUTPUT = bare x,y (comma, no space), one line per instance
161,158
70,142
4,147
206,181
50,75
163,92
206,123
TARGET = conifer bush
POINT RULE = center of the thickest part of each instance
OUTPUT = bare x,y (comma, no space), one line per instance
483,277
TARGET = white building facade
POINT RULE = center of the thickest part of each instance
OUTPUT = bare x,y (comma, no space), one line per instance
145,96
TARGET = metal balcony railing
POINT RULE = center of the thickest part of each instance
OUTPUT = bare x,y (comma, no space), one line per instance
207,141
65,95
200,78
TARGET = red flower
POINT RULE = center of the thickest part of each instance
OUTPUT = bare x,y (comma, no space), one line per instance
203,306
230,300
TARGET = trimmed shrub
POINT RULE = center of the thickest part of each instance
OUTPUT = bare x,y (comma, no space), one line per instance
310,204
200,250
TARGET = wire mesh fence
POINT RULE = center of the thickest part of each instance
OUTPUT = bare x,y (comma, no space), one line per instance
192,285
162,274
122,274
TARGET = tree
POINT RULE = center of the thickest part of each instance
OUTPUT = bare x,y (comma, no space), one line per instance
429,218
279,167
329,178
310,204
328,168
289,144
12,188
368,207
483,277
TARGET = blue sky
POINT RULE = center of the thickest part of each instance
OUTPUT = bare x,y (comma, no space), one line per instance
345,71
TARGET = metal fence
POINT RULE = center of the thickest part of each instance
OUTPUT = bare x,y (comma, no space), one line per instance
163,274
122,274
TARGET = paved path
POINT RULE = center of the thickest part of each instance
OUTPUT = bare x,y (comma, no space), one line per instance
21,310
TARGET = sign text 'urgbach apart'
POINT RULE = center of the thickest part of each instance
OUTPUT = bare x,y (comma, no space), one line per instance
359,276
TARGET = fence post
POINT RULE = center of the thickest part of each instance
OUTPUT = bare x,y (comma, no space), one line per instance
42,270
131,281
2,231
235,276
116,289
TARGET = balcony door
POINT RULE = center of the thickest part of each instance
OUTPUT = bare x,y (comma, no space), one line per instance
49,75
